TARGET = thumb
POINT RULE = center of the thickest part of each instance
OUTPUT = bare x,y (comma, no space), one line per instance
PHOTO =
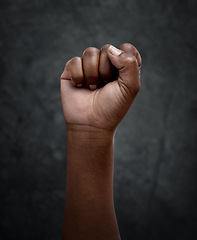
128,68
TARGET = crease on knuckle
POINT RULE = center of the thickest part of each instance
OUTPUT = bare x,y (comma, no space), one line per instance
72,62
127,45
131,60
105,47
91,51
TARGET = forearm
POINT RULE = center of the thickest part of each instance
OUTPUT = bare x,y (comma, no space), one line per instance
97,89
89,208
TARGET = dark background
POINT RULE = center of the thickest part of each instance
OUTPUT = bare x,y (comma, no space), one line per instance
155,173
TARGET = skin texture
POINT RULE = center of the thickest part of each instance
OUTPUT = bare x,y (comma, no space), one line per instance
97,90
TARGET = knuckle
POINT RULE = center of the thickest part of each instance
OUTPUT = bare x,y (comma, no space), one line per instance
72,62
127,47
130,60
91,51
105,47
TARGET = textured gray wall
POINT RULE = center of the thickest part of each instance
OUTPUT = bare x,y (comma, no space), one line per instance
155,180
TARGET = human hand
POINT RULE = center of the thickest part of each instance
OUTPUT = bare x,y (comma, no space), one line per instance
96,92
98,89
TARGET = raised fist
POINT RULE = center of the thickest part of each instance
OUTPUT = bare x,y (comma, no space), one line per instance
98,89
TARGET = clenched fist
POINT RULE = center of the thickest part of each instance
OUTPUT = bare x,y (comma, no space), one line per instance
98,88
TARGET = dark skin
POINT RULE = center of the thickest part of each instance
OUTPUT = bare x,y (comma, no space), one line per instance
97,91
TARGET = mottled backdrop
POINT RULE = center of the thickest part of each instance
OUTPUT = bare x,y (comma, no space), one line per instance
155,173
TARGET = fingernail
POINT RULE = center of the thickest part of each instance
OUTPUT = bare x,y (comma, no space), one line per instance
93,87
114,51
79,85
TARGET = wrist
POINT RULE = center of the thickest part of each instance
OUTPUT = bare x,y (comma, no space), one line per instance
90,153
88,136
